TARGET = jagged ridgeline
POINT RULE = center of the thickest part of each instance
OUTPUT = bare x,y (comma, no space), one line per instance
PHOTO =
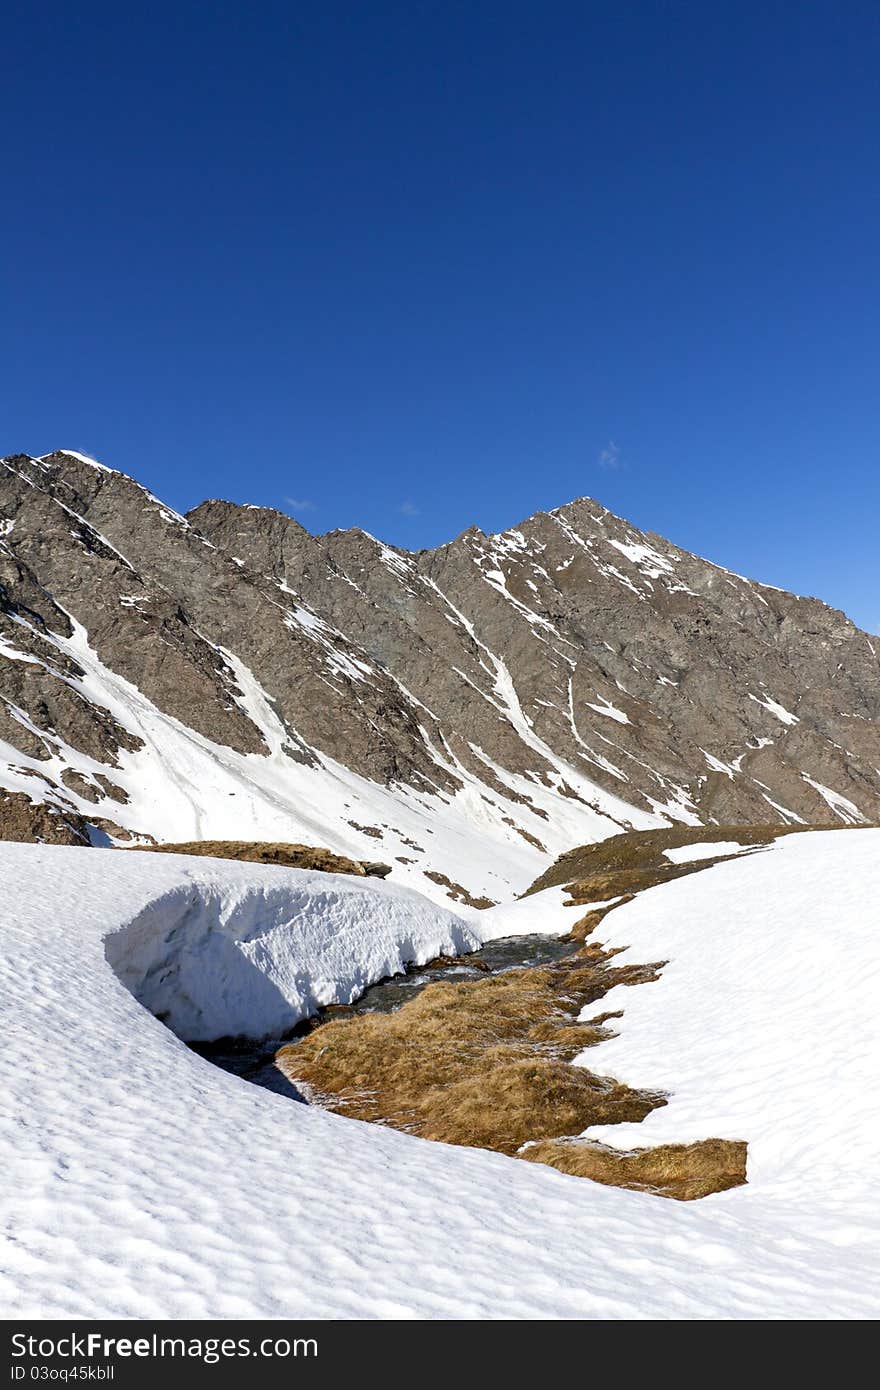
467,712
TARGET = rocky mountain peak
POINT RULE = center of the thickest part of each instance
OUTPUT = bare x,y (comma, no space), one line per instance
471,709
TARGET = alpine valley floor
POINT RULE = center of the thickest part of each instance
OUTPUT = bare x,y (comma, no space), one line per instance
141,1181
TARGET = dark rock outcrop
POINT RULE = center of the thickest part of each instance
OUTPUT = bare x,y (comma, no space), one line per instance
24,820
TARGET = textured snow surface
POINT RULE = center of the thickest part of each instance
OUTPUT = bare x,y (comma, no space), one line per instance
765,1023
222,951
141,1181
547,912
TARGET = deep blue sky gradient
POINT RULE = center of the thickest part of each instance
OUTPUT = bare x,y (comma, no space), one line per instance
417,265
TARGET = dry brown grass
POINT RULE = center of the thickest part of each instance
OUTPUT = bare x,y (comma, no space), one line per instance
481,1062
260,852
488,1062
682,1171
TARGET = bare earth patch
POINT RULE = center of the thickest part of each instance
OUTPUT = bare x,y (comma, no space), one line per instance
456,891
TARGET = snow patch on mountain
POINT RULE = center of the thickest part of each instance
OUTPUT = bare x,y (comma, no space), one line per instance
689,854
775,708
840,804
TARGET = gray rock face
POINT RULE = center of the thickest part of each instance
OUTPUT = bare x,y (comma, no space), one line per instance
632,658
571,662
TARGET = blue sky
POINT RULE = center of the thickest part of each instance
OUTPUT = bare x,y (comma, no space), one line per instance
415,266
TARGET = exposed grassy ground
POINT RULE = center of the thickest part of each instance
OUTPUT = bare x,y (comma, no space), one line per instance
258,852
481,1062
683,1171
634,861
488,1062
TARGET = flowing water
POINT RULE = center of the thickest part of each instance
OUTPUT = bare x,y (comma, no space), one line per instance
255,1061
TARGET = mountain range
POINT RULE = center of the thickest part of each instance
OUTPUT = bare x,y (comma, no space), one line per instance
462,713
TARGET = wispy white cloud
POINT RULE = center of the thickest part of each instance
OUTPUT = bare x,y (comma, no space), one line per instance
408,508
300,504
610,458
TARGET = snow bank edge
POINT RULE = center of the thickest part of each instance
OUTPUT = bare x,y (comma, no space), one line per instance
253,959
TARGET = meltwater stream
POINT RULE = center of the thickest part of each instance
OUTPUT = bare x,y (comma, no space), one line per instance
255,1061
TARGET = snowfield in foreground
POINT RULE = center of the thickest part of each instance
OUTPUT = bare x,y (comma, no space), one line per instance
765,1024
140,1181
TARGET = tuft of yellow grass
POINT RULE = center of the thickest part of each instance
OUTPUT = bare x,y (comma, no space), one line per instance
487,1062
481,1062
682,1171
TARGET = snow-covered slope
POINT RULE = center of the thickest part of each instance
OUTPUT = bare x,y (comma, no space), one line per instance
765,1023
140,1181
